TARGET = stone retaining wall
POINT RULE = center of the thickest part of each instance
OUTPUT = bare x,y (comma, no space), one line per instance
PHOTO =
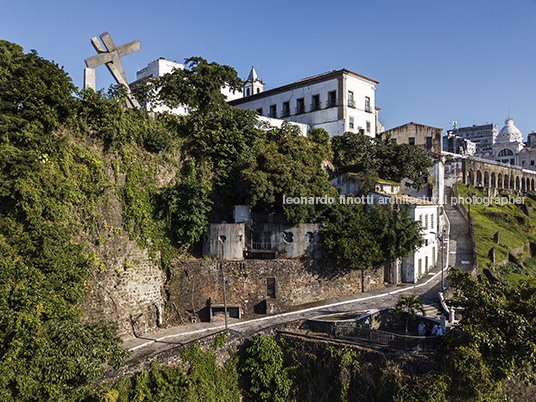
194,285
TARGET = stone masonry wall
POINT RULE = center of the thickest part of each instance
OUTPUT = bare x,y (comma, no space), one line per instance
194,285
127,285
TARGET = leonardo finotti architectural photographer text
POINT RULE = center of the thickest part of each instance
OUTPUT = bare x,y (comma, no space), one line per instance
401,199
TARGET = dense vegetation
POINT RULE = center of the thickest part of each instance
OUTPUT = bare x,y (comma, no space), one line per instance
59,148
487,358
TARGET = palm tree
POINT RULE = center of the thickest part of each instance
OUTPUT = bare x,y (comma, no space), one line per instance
411,305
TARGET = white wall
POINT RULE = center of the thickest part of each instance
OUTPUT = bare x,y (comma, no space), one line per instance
431,250
327,118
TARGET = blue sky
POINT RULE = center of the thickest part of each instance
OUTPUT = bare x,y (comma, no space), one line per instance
436,61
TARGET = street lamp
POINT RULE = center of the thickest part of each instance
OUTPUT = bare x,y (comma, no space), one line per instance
224,296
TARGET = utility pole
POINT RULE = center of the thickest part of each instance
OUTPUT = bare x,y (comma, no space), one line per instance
224,296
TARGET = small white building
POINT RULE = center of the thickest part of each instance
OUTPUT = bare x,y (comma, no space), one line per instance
417,264
337,101
350,183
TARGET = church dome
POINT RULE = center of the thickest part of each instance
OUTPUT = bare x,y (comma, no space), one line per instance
509,133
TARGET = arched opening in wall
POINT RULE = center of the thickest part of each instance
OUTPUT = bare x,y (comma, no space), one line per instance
527,187
493,180
506,182
288,237
478,178
512,183
517,183
499,181
505,152
470,178
486,179
522,184
532,185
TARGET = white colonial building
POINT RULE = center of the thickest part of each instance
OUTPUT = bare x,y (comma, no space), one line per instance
337,101
418,263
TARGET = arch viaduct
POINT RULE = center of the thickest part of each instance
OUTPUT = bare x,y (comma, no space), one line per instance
493,177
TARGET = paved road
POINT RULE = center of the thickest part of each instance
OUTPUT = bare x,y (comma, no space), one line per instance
457,253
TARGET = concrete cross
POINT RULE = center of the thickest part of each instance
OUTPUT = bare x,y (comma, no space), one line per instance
111,57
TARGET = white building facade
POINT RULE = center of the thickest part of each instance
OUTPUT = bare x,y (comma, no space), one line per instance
410,269
337,101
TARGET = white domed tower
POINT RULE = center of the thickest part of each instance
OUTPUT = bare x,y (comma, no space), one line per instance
253,84
508,144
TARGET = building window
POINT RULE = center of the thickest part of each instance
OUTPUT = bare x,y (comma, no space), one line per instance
351,124
368,126
258,90
426,221
351,101
300,106
532,163
259,111
273,111
270,288
247,91
286,109
315,102
428,141
393,140
332,99
411,140
432,221
367,104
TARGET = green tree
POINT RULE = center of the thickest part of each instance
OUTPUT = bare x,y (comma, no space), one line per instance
391,161
409,304
498,323
198,85
348,237
44,354
359,239
262,366
286,164
35,95
185,206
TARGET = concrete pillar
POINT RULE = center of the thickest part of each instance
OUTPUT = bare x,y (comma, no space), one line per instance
89,78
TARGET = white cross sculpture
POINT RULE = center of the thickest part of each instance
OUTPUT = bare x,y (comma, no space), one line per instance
111,57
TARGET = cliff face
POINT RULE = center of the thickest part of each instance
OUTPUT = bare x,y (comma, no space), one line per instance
126,283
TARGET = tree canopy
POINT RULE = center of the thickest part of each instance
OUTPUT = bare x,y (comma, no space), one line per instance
43,266
388,159
358,239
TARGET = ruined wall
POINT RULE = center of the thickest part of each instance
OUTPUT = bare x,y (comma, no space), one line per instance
193,285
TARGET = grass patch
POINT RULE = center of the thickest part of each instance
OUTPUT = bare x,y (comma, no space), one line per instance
515,228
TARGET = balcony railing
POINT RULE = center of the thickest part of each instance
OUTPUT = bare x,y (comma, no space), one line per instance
368,109
300,110
315,106
351,103
331,103
285,113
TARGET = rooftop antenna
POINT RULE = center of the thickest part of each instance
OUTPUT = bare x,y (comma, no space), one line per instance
453,124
